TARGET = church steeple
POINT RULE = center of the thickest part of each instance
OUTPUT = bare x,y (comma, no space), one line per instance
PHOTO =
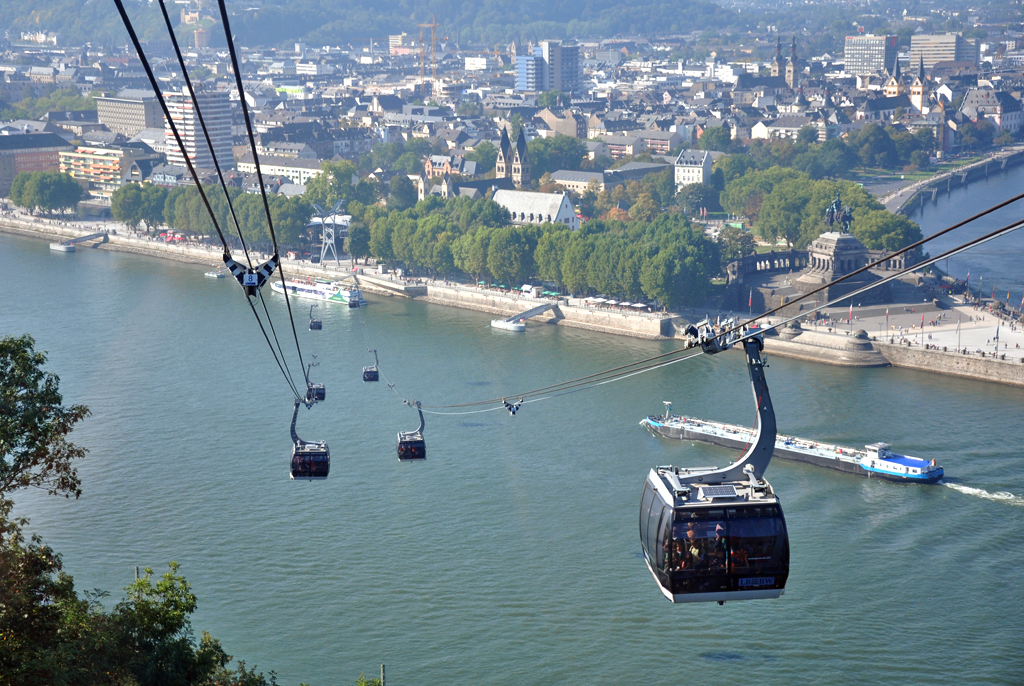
792,49
920,68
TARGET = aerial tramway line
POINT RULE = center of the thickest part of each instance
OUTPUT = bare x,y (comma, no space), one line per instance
707,534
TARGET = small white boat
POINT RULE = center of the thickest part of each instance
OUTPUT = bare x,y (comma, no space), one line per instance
515,325
217,274
62,247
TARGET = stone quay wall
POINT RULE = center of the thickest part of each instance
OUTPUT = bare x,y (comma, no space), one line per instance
989,368
568,312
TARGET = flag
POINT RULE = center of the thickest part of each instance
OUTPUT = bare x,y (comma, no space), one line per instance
887,317
1007,298
750,300
851,312
993,296
1022,303
922,321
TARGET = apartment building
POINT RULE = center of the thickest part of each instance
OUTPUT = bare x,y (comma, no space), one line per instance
216,110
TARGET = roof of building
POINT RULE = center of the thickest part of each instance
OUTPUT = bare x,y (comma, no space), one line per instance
31,141
530,202
692,158
278,161
577,176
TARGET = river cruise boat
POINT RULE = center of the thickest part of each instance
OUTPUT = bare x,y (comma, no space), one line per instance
321,289
876,460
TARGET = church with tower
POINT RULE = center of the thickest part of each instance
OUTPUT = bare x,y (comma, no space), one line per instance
513,161
790,68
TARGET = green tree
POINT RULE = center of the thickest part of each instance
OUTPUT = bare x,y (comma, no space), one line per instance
548,155
17,193
643,209
485,155
550,99
153,200
734,166
782,212
332,184
34,425
807,135
549,254
358,242
126,205
883,230
402,193
735,243
574,264
380,240
509,258
717,138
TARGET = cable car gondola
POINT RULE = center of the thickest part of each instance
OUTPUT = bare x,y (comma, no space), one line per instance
315,393
411,445
314,324
719,534
311,460
371,373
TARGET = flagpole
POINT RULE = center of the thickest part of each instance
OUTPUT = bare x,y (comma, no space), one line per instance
958,318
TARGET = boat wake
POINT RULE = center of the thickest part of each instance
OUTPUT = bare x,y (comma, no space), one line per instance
998,496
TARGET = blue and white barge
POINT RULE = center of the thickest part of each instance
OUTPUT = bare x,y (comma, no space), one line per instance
876,460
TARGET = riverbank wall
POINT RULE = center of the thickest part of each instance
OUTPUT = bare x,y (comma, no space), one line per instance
571,312
195,253
849,351
919,195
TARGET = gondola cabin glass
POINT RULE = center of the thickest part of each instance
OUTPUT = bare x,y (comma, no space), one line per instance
371,374
703,549
317,392
411,446
310,462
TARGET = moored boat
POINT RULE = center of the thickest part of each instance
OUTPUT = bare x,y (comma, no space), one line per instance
876,461
63,247
321,289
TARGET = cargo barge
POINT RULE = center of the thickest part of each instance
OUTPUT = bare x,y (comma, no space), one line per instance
876,460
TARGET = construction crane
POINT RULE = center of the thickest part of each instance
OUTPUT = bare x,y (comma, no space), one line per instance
433,26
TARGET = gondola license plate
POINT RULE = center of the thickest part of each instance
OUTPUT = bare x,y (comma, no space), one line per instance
758,581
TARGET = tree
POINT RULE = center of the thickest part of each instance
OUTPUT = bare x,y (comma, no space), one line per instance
550,99
782,212
332,184
807,135
735,243
549,155
358,242
402,193
34,425
126,205
45,190
696,196
509,257
152,210
734,166
717,138
485,155
977,134
644,209
18,189
883,230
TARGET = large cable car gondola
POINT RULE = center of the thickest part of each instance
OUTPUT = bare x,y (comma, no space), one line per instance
719,534
411,445
311,460
314,324
371,373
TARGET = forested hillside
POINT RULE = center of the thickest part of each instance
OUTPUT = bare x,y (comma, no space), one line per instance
330,22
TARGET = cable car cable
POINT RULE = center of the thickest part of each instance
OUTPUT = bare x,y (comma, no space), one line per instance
220,176
188,162
259,171
611,375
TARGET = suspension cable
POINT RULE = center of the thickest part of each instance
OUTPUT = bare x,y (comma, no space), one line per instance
223,184
648,364
259,174
170,121
195,176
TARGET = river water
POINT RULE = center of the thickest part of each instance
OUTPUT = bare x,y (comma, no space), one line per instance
511,555
995,264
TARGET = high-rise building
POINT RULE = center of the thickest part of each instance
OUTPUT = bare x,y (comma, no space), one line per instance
216,110
551,67
942,47
870,54
129,112
563,66
531,74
